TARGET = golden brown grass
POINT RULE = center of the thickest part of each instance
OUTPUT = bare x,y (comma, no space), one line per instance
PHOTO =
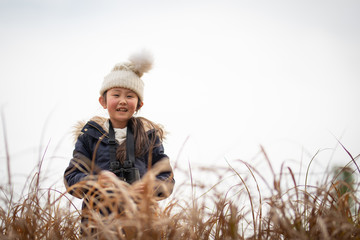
36,215
248,206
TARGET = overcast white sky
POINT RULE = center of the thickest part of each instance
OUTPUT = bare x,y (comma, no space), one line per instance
230,75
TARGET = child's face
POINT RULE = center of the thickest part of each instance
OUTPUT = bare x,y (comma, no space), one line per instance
121,104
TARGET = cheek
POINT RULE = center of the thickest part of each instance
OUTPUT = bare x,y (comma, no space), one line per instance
111,104
133,104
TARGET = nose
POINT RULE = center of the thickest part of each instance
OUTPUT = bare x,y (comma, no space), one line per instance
122,101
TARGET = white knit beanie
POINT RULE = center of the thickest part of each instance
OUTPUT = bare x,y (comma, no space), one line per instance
128,74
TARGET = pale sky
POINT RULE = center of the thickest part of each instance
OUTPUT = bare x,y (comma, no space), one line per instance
228,75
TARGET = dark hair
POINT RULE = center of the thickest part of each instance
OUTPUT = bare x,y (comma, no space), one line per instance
145,140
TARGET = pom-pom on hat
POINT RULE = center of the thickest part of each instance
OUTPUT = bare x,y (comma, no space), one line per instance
128,74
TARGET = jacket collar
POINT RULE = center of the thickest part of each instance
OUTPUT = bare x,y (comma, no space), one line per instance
96,127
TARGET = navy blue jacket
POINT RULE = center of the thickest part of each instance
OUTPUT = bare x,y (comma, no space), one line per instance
94,136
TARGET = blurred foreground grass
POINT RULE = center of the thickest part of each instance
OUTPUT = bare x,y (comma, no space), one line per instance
236,206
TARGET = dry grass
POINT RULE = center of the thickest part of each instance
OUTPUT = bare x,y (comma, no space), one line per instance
36,215
242,210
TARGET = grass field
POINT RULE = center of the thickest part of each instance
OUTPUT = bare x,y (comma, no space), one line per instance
239,205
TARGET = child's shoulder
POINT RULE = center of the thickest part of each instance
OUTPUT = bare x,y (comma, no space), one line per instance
150,127
80,125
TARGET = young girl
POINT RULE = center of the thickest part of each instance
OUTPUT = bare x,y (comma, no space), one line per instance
122,146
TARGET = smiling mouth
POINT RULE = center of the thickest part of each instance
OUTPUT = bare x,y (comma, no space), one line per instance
121,110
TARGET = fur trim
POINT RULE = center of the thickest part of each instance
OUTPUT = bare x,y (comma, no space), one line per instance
101,121
76,133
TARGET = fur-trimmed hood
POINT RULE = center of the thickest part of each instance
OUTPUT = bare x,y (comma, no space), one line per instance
101,121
